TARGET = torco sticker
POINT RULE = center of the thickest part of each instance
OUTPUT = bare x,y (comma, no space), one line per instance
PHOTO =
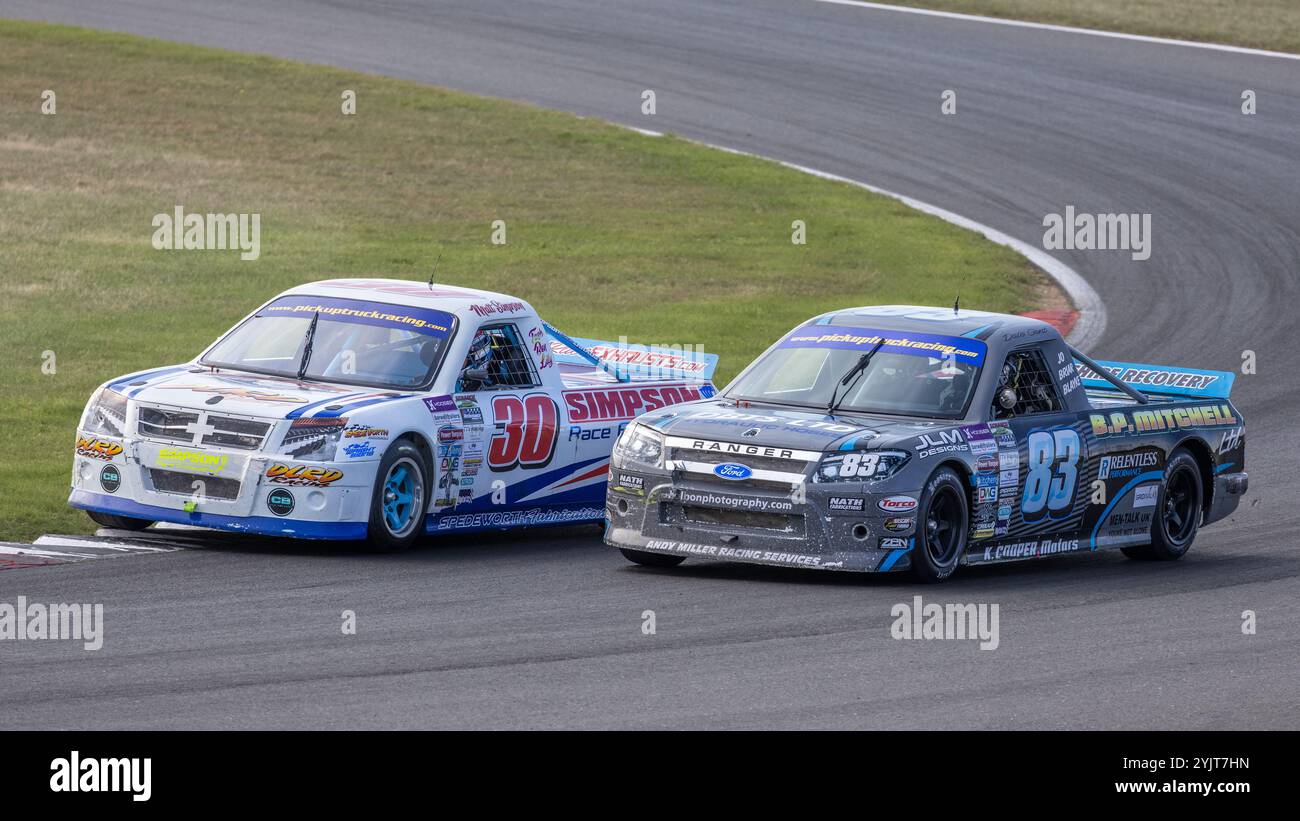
897,504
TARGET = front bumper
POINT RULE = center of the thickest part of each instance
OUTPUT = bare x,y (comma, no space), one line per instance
832,527
246,493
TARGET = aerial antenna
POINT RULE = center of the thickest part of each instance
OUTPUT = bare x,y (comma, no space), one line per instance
956,305
435,270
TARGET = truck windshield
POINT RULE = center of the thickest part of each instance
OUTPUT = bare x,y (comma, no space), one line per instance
354,342
911,374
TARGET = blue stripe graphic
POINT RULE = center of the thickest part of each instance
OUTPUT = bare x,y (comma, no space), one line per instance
266,525
1150,475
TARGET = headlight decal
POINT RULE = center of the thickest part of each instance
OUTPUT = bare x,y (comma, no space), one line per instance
106,414
314,439
860,466
639,445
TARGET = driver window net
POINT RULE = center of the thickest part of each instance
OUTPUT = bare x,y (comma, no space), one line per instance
1026,374
509,366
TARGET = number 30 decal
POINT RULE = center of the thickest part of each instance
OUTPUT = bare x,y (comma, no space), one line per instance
525,431
1053,473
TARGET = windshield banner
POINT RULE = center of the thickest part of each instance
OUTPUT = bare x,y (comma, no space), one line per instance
418,320
845,337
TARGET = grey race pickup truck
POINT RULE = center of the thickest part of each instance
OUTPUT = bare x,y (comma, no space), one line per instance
897,438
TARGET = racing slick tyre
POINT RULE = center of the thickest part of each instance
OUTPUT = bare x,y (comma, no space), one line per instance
1178,512
117,522
647,559
399,500
941,527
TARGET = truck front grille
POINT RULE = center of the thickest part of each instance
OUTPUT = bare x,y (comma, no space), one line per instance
182,484
243,434
738,485
173,426
176,426
782,522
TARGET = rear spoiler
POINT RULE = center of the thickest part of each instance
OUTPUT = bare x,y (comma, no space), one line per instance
1154,379
632,363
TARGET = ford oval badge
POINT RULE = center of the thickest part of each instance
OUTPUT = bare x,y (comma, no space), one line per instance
731,470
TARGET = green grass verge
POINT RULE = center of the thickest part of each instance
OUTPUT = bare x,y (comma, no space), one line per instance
1266,24
609,232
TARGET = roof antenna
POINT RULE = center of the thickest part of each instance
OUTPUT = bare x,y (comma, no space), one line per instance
956,305
435,270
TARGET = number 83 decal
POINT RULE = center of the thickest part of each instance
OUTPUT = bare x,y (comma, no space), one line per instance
1052,474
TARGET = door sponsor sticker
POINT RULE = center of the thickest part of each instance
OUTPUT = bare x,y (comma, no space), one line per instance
846,504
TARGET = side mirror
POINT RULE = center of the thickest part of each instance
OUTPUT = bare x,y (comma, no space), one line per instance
1007,398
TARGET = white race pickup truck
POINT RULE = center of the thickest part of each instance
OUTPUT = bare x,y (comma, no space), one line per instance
374,409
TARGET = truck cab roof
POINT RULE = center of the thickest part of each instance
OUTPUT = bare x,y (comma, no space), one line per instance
462,302
983,325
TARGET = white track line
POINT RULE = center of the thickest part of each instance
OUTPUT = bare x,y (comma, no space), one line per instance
1116,35
28,550
97,543
1091,323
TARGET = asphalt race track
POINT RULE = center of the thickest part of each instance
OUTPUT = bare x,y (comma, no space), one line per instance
543,630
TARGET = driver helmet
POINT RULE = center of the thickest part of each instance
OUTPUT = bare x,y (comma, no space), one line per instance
480,351
1010,373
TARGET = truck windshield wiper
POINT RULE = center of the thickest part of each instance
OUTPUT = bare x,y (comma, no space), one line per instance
858,368
306,346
